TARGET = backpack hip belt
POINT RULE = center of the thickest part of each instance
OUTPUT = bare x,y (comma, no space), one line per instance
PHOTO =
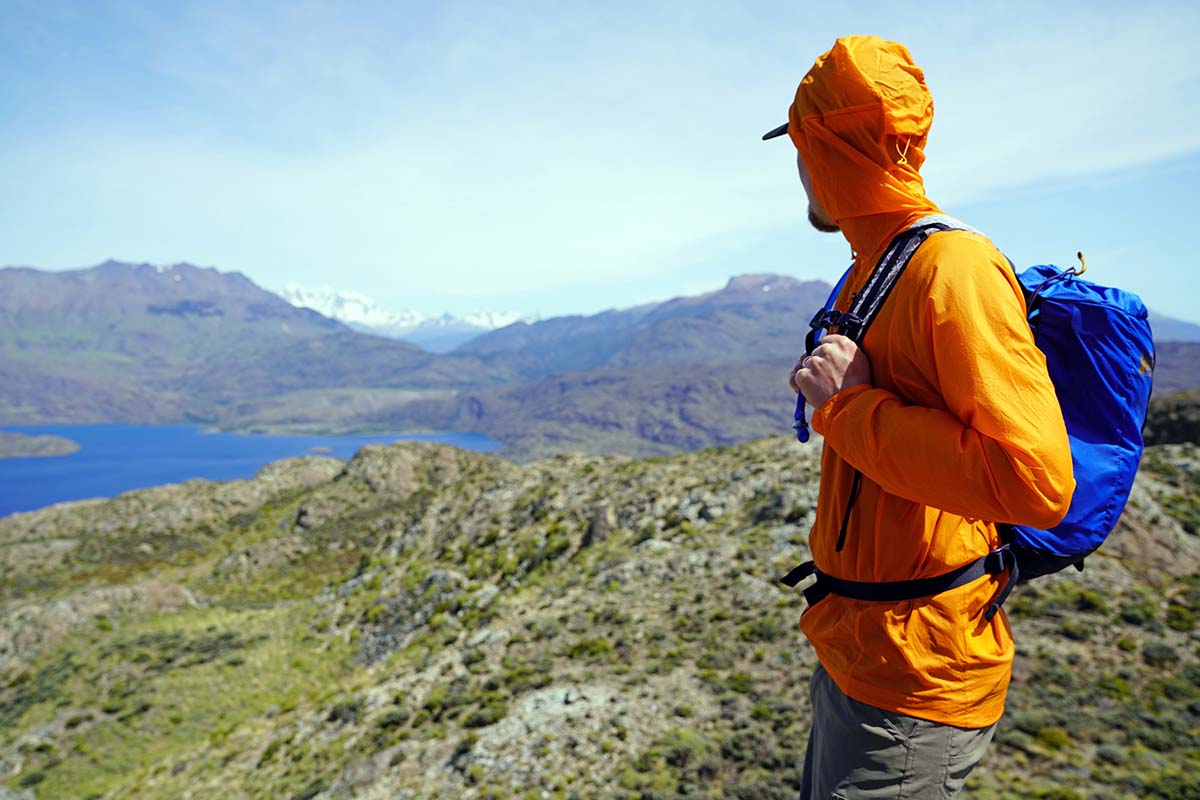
1000,560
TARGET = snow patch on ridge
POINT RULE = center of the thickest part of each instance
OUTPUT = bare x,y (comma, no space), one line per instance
436,331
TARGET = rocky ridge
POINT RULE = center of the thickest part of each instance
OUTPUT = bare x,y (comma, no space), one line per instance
424,622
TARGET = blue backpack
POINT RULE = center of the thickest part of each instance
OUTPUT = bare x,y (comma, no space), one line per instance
1100,356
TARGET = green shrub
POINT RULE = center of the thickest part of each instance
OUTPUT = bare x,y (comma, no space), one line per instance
591,648
740,682
1054,674
1159,654
77,720
1174,786
1090,600
345,711
548,629
270,751
765,629
519,677
1175,689
487,715
1180,618
312,790
1113,686
1053,738
32,778
1140,612
742,747
758,790
394,718
1191,672
684,748
1058,793
1077,630
435,698
1031,720
1110,754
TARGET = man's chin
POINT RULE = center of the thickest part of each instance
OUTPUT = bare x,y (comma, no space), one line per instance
824,226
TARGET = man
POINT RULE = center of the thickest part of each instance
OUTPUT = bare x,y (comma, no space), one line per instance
942,425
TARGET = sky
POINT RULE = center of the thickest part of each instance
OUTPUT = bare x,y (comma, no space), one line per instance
553,158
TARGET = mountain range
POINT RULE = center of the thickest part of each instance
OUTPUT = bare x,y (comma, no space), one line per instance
143,344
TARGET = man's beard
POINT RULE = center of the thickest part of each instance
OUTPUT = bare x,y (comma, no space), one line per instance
820,224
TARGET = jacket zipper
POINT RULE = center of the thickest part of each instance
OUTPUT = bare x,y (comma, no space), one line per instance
841,542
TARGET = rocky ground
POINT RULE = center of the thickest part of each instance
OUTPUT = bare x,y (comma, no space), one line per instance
425,622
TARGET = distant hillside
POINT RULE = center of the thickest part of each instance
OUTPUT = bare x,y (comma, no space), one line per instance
424,622
753,318
1177,368
137,343
636,411
1167,329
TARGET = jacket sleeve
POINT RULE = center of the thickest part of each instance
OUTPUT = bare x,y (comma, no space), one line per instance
998,449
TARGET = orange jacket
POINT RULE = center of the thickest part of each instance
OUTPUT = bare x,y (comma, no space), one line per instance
959,430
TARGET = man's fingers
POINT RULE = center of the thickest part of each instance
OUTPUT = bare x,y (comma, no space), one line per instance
827,348
795,373
835,339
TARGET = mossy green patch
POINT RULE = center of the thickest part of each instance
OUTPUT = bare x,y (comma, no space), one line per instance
163,690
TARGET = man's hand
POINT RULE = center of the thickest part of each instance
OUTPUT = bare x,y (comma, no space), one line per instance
835,364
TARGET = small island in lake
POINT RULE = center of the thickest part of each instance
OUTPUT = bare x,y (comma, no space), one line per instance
19,445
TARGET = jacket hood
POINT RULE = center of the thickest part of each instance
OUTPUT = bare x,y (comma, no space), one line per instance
860,121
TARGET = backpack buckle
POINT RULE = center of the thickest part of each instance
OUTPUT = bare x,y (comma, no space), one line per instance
849,324
846,320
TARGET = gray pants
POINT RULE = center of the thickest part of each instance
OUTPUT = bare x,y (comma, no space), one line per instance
859,752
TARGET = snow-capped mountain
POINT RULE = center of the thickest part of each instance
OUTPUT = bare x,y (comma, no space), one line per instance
437,333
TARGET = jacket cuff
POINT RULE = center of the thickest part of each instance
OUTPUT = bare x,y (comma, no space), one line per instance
823,417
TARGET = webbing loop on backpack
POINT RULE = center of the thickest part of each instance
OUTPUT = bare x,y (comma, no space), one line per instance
1000,560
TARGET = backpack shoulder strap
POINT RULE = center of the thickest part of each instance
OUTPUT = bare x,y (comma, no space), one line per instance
869,300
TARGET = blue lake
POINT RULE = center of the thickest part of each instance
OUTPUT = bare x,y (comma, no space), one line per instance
116,458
